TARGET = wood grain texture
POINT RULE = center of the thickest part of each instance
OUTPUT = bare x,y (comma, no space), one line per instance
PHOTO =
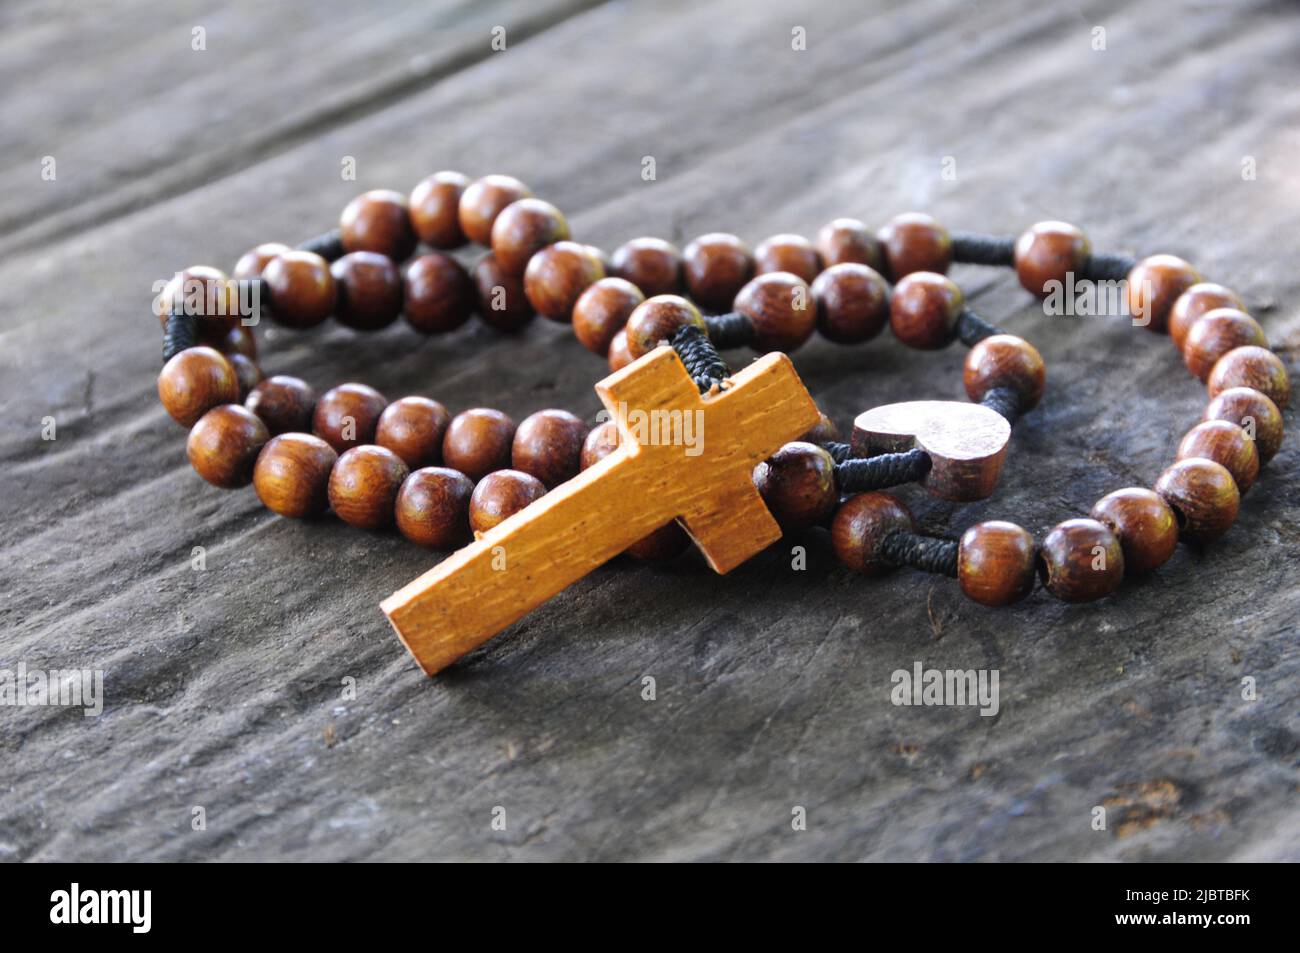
224,687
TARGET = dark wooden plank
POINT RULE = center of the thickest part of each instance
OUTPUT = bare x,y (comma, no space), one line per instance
224,687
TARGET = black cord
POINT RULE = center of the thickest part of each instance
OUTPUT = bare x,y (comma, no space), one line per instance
700,357
863,474
1005,401
1108,267
180,332
971,249
972,329
727,331
329,246
926,553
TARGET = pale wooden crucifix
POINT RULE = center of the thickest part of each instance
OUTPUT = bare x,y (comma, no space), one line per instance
702,476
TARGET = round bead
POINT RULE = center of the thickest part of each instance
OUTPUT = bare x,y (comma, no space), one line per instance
204,292
238,340
1226,444
301,289
284,403
852,302
1199,299
435,209
253,261
548,446
600,443
716,266
602,311
524,228
1047,252
194,381
861,523
798,485
620,356
996,563
824,431
655,320
600,255
499,496
224,444
845,241
413,428
364,484
483,200
924,310
378,221
368,290
1145,525
1254,367
792,253
1203,496
652,264
502,303
1215,334
247,373
1081,560
1254,413
1154,285
292,475
432,508
781,308
557,275
1004,360
346,416
664,543
439,294
915,242
478,441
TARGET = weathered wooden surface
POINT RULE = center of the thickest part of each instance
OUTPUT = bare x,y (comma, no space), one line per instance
773,685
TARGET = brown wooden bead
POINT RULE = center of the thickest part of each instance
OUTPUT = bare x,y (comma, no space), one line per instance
413,428
823,432
548,445
798,485
346,416
1081,560
478,441
1214,334
1145,525
852,302
194,381
502,303
1254,413
378,221
656,320
558,275
664,543
204,292
432,508
524,228
601,256
284,403
500,495
1254,367
364,484
253,261
1201,298
1154,284
1224,443
247,373
652,264
861,523
1203,496
368,290
924,310
845,241
620,356
915,242
1047,252
600,443
716,266
301,289
483,200
781,308
439,294
602,310
292,475
224,444
1004,360
238,340
791,253
996,563
435,209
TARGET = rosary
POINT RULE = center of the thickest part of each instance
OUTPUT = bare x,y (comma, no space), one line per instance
690,452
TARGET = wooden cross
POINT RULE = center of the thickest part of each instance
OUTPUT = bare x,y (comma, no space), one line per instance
702,474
